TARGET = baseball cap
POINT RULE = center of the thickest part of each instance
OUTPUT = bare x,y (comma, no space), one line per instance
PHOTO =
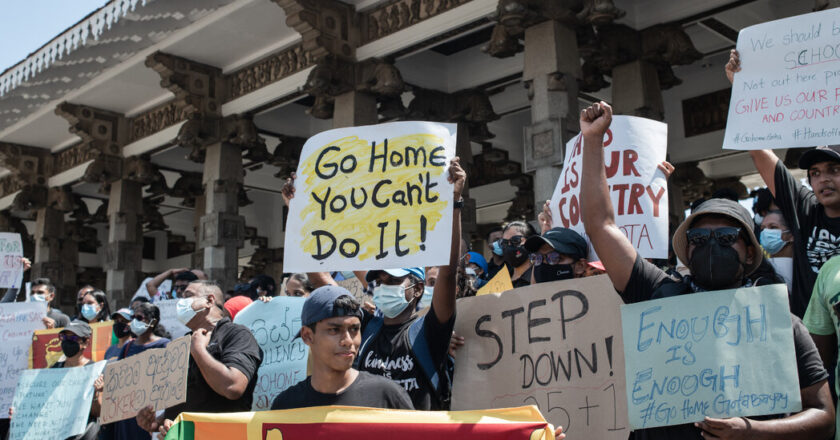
236,304
478,259
78,328
419,272
819,154
724,207
320,305
562,240
125,312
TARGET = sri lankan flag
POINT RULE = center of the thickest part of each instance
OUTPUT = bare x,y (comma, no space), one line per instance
523,423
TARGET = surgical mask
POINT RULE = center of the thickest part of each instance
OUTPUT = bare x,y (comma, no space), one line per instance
120,329
348,275
390,299
771,240
184,311
426,299
497,248
70,348
758,218
515,255
89,311
470,272
544,273
715,266
37,297
138,327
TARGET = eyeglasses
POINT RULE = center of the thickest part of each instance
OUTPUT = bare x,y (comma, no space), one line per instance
549,258
514,241
179,287
140,317
74,338
727,235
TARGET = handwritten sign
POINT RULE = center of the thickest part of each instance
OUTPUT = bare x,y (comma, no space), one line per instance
788,91
53,403
169,318
633,148
46,348
274,326
554,345
156,377
11,251
372,197
718,354
17,323
499,283
356,288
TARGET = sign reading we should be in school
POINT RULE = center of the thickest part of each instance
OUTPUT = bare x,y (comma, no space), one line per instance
372,197
787,93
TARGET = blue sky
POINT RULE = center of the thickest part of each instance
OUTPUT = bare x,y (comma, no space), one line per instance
26,25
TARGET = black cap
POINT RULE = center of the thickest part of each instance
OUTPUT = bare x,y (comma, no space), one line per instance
78,328
562,240
820,154
320,305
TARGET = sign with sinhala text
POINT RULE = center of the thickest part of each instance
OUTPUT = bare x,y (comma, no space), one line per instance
54,402
156,377
554,345
18,321
11,251
787,93
633,148
274,326
372,197
718,354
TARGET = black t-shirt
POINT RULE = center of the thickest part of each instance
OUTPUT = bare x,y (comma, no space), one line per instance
816,236
650,282
235,346
367,390
390,355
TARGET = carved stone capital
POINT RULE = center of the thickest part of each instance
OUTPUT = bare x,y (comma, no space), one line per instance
101,130
199,87
30,165
197,134
668,45
104,170
140,169
286,155
331,77
327,26
30,197
241,131
61,198
187,187
599,12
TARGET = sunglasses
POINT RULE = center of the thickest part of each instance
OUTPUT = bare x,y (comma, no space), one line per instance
514,241
726,236
179,287
549,258
73,338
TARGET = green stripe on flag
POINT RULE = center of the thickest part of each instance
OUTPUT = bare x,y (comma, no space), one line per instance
181,431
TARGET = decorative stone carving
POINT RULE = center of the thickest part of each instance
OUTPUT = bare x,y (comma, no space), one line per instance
599,12
151,218
502,44
327,26
188,187
380,77
522,207
668,45
471,106
201,88
104,170
73,157
156,119
30,165
141,169
30,197
196,134
330,77
10,184
269,70
286,155
61,198
492,165
100,130
391,17
242,132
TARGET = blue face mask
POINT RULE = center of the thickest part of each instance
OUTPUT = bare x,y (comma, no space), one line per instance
89,311
497,248
426,299
138,327
771,240
390,299
184,311
37,297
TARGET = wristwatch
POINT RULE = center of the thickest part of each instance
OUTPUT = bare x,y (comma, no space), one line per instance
459,203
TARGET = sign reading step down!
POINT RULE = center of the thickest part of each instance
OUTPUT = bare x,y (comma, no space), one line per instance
372,197
717,354
788,91
554,345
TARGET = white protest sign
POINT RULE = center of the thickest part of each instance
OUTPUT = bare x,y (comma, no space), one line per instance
53,402
554,345
787,93
18,321
372,197
11,251
169,318
274,325
165,286
633,148
155,377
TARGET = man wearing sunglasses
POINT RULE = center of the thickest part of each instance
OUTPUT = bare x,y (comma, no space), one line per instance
718,244
559,254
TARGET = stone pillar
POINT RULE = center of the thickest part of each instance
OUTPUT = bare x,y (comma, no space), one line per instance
353,109
552,66
636,90
222,228
198,213
124,250
50,260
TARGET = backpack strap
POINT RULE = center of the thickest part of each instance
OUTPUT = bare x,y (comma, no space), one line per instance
420,348
368,334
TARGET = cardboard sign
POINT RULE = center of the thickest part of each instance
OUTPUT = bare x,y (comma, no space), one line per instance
633,148
718,354
46,348
341,422
169,318
356,288
554,345
17,323
274,326
53,403
499,283
11,251
372,197
156,377
787,93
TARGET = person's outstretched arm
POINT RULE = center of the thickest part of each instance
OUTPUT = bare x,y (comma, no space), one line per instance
443,300
612,246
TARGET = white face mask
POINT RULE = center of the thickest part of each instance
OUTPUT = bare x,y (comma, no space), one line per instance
138,327
184,311
37,297
426,299
390,299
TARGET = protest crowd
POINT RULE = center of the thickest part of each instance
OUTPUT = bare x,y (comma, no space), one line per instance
391,337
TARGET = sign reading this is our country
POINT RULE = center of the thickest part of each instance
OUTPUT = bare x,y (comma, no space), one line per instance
274,325
718,354
11,251
554,345
633,148
372,197
787,93
18,321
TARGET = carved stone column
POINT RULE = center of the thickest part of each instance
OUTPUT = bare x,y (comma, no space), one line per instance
124,250
50,260
353,109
